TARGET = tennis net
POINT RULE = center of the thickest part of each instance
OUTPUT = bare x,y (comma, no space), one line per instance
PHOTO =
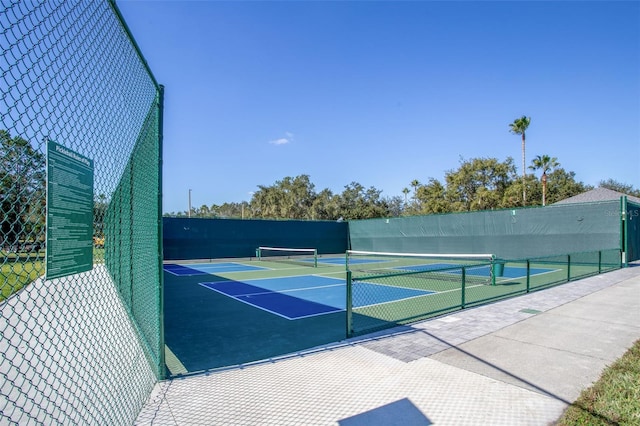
297,256
480,267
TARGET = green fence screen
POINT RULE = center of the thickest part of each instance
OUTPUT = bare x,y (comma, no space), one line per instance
85,347
508,234
193,238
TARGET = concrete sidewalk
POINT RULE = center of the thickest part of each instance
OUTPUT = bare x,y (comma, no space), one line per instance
520,361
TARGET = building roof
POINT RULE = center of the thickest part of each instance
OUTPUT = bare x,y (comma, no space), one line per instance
598,194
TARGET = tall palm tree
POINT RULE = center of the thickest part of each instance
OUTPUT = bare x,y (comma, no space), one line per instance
415,184
518,127
405,191
544,163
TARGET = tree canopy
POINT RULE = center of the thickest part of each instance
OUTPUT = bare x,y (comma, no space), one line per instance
22,189
477,184
624,188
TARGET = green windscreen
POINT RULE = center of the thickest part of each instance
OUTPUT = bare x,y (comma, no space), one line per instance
132,242
219,238
508,234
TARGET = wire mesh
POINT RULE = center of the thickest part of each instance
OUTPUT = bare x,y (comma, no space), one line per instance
387,291
445,287
83,348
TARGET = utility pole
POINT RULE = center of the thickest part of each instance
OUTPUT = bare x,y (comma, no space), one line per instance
189,212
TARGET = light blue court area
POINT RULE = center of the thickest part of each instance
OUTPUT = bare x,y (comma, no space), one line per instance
308,295
208,268
510,272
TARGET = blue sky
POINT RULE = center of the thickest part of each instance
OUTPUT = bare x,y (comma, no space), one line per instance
385,92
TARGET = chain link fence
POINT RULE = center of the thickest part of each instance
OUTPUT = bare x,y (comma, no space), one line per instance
85,346
442,287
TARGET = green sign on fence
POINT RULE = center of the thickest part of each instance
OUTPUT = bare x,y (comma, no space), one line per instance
69,212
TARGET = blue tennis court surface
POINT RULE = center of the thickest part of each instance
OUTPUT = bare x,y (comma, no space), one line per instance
208,268
482,271
309,295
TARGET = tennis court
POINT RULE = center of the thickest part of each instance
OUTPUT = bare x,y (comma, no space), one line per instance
238,311
208,268
309,295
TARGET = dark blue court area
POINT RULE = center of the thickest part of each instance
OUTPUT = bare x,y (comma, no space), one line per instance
208,268
309,295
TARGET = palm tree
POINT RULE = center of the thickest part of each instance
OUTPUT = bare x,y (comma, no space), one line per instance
518,127
415,184
405,191
544,163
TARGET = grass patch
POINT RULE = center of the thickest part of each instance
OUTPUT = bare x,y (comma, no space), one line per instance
16,274
18,270
614,399
98,255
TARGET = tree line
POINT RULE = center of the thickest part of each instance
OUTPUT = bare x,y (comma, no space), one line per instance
23,195
477,184
22,191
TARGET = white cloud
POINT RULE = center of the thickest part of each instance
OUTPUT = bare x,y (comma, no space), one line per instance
283,141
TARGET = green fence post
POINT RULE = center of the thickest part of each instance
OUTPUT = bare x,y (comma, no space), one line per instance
349,305
568,267
494,271
528,275
624,229
464,273
161,340
599,261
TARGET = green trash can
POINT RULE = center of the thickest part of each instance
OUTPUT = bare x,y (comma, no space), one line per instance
498,268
